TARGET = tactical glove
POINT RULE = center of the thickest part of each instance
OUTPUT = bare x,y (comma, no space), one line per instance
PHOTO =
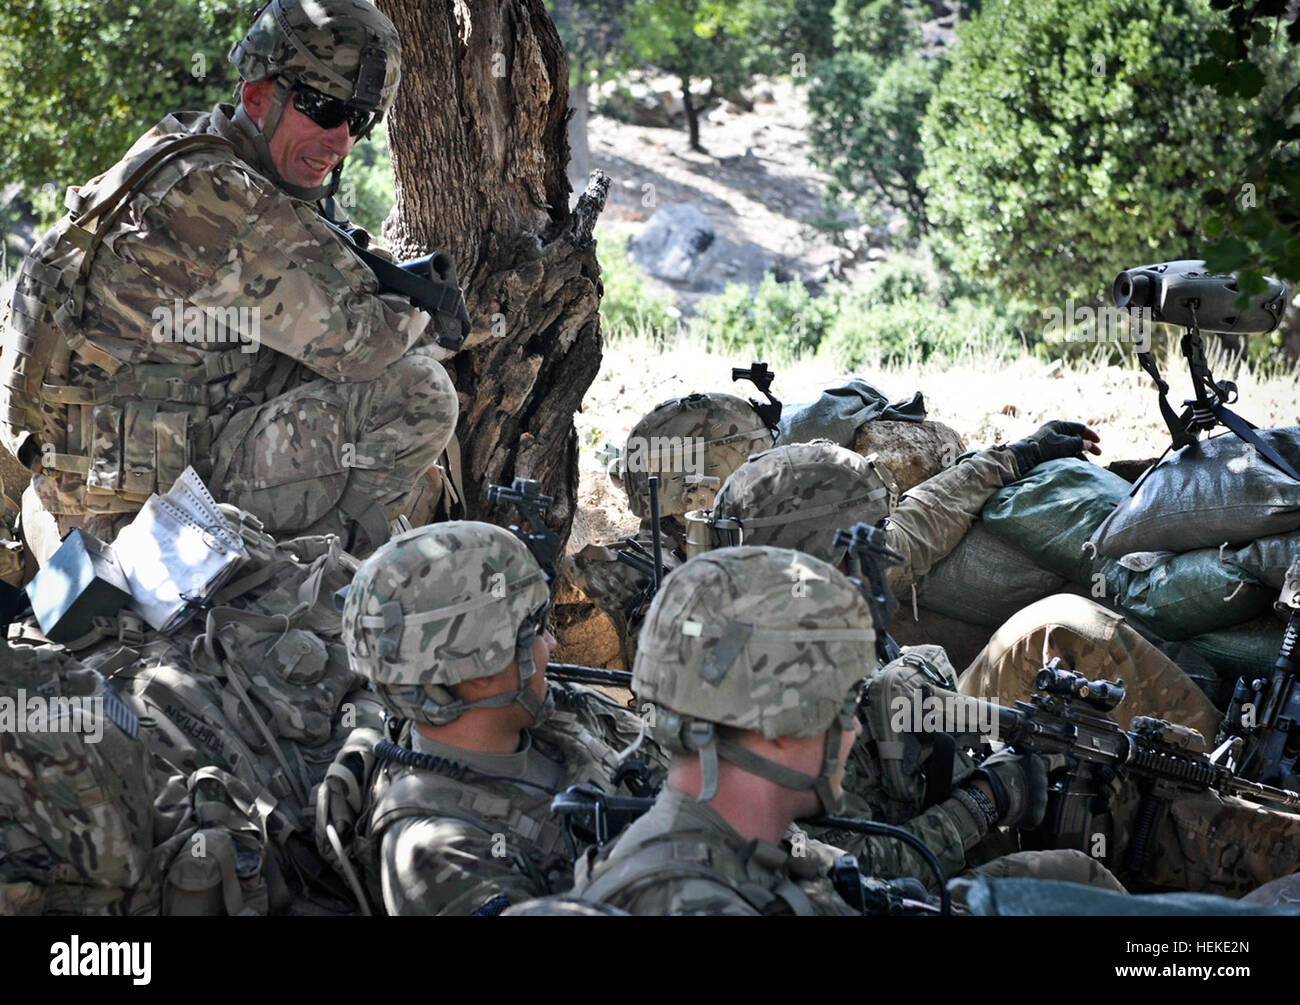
1053,440
1019,784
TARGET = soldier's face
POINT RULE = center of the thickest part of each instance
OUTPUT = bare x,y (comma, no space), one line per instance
302,152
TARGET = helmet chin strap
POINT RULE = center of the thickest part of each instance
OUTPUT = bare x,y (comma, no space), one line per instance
539,708
261,140
745,759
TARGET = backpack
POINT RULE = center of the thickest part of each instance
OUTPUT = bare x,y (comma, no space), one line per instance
76,820
259,690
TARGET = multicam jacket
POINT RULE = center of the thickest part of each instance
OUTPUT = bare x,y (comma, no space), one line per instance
207,284
479,836
682,858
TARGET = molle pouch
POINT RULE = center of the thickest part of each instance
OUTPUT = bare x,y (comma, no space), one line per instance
213,863
171,446
105,474
297,680
139,453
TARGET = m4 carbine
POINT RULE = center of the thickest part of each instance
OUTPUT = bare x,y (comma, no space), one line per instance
1260,735
1092,756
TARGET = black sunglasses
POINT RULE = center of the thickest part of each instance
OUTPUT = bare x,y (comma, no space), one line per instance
328,112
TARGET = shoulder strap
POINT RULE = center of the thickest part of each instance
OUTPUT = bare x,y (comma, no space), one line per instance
105,208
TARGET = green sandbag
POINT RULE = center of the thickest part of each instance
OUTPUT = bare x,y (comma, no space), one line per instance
984,581
1217,490
1189,594
1248,650
1052,511
1268,558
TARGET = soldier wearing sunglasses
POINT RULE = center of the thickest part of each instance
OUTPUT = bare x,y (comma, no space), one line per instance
193,308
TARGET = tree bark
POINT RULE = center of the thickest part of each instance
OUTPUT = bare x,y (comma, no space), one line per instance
479,148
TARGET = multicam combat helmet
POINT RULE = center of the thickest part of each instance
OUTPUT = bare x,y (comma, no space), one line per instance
799,495
692,444
762,639
346,49
443,604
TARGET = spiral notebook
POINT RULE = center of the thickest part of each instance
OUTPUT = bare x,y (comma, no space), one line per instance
177,552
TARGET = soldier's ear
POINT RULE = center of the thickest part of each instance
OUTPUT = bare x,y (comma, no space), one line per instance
256,99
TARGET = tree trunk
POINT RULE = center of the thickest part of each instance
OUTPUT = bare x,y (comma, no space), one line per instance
479,155
692,116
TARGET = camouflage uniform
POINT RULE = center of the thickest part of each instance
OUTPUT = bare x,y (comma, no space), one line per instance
692,444
216,321
797,495
1208,843
445,830
760,640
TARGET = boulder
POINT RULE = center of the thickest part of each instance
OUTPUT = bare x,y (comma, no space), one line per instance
680,245
913,451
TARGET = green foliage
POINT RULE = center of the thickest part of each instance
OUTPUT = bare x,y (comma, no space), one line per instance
367,188
899,314
631,303
85,80
1254,230
865,129
1067,141
915,328
882,30
781,320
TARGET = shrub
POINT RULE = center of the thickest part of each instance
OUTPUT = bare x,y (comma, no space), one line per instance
1068,141
631,303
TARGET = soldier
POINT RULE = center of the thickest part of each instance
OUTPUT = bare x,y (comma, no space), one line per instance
798,495
449,623
751,661
692,444
193,308
753,686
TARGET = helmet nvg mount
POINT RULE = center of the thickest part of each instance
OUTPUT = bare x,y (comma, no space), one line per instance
345,49
442,604
767,640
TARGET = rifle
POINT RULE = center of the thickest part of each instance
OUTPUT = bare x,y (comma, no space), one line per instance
1260,734
525,494
648,564
593,817
1068,718
868,554
590,675
428,282
761,377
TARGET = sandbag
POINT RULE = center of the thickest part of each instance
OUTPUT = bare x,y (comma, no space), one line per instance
1051,512
1187,595
1042,897
1248,650
1219,490
1266,559
984,580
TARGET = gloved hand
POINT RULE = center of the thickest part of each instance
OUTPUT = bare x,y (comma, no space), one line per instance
1054,440
1019,784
